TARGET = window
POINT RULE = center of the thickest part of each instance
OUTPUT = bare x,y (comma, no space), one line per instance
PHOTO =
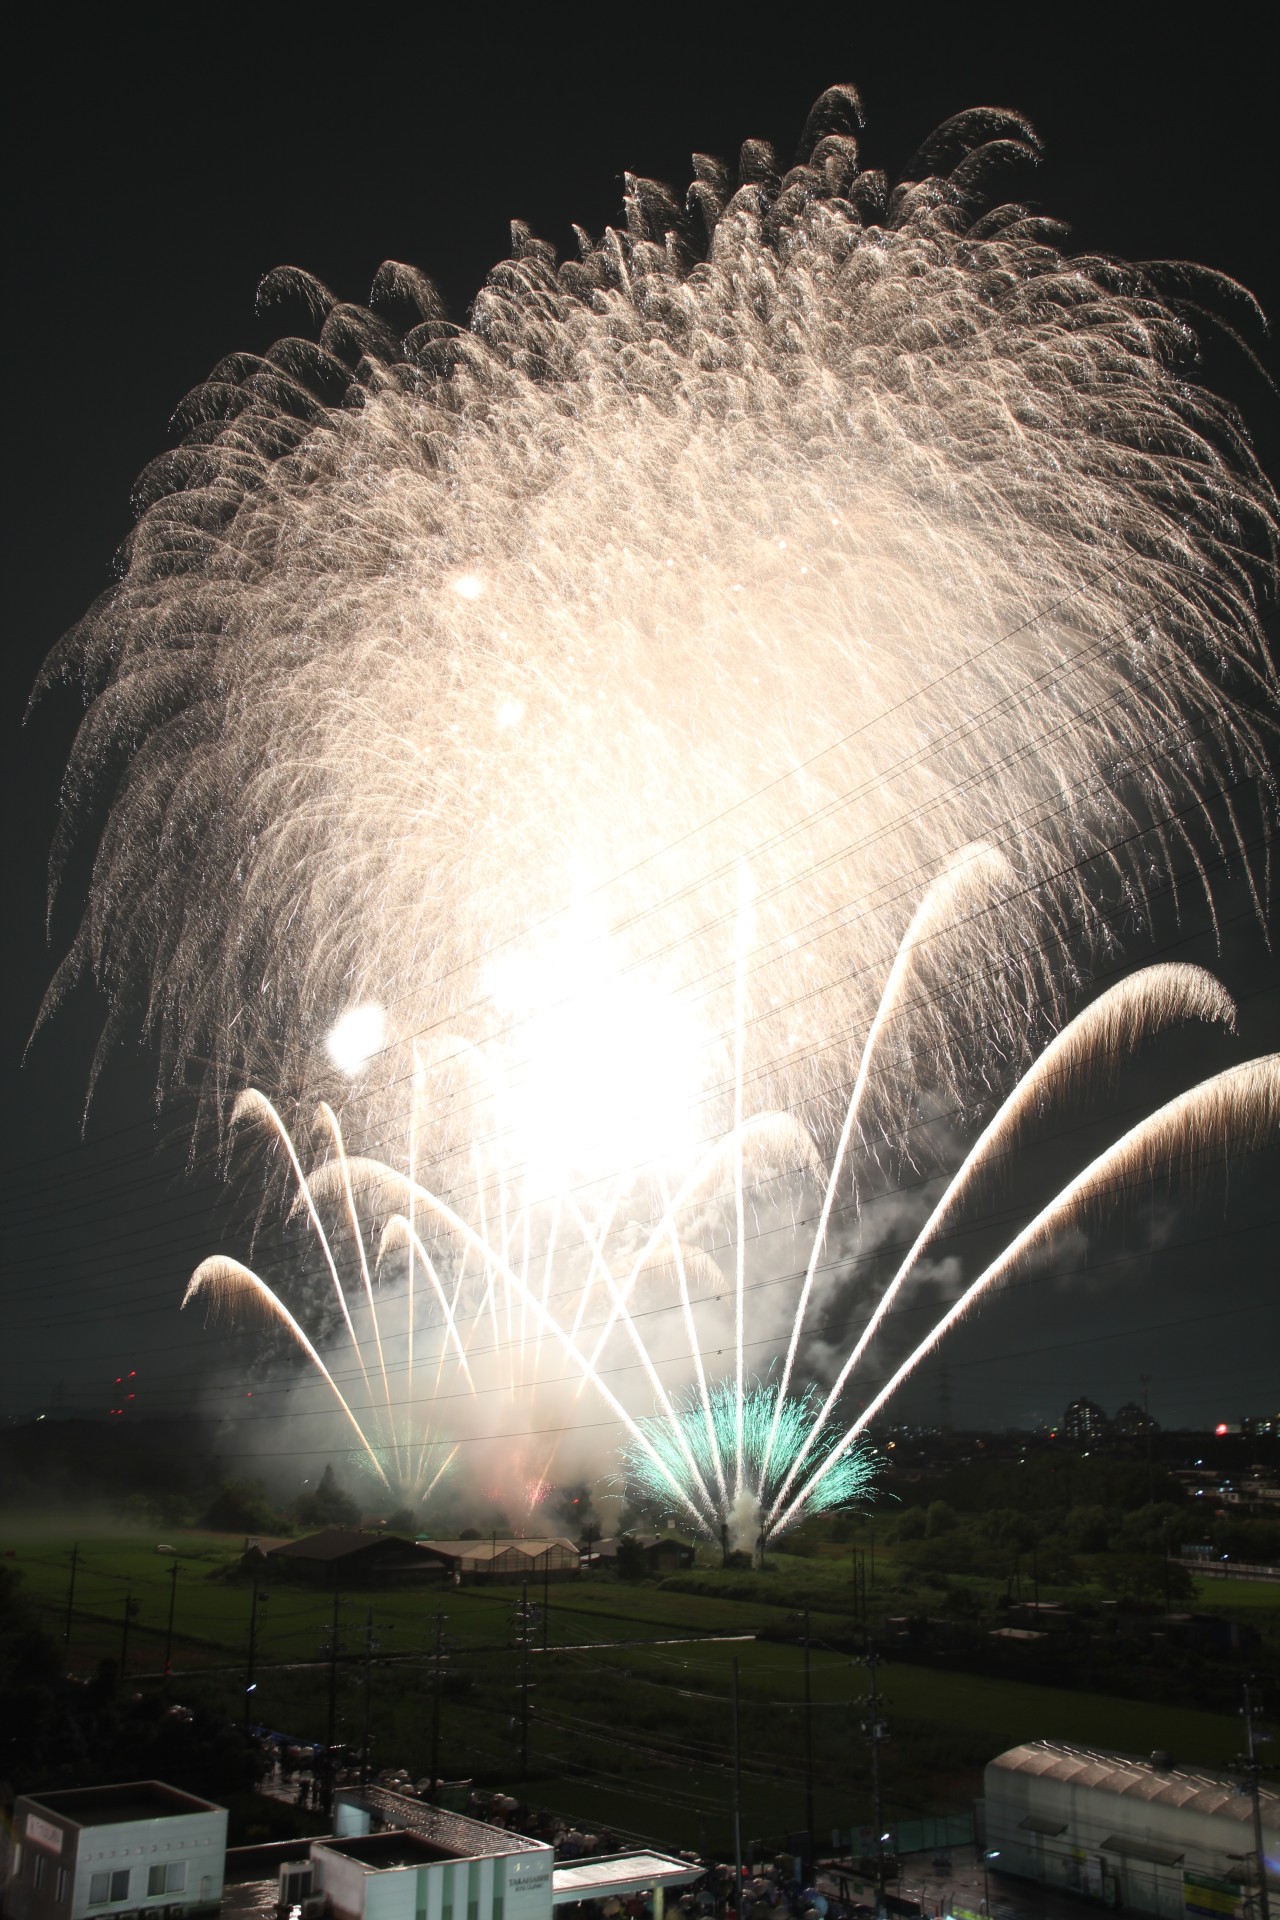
120,1884
38,1865
167,1879
60,1886
99,1889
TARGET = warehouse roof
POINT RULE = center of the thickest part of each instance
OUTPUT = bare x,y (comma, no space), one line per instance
484,1550
1197,1790
334,1543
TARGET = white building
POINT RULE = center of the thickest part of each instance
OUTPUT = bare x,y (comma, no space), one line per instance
86,1853
427,1864
442,1867
1142,1835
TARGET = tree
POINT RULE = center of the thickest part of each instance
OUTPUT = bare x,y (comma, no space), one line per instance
401,1521
241,1506
632,1564
939,1518
1144,1576
328,1506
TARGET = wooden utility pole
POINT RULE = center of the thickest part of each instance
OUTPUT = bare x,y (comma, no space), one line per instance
1264,1903
368,1682
168,1633
71,1594
808,1750
737,1796
251,1657
874,1729
1146,1428
435,1711
524,1680
331,1722
130,1609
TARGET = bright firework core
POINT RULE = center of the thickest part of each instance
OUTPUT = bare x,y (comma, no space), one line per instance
706,703
607,1071
354,1039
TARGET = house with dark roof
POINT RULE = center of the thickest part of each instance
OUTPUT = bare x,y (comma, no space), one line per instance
342,1557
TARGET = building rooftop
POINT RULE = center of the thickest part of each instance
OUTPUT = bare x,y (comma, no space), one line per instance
114,1805
333,1543
385,1850
620,1874
453,1835
1195,1789
483,1550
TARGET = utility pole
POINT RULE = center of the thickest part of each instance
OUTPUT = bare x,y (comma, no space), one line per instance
546,1595
251,1657
331,1723
435,1711
1146,1428
874,1728
168,1635
368,1678
524,1679
1264,1905
808,1751
71,1594
130,1608
737,1796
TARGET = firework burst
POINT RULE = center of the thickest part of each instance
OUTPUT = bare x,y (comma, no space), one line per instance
639,744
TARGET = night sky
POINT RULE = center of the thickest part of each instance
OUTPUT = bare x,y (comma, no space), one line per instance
153,179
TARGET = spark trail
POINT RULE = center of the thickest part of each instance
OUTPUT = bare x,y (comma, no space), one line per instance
731,1454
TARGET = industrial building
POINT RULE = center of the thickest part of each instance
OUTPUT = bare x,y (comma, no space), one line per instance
1145,1836
84,1853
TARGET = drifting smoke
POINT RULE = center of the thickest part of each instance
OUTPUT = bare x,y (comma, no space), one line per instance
569,752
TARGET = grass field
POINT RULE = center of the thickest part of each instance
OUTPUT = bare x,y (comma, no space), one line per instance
1251,1596
629,1704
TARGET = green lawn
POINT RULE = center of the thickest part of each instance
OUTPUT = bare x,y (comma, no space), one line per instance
1225,1596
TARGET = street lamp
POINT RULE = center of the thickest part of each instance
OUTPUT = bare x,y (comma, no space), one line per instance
988,1855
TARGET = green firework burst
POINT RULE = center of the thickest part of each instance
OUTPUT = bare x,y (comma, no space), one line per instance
713,1447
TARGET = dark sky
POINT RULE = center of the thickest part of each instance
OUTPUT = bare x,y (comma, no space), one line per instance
155,172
